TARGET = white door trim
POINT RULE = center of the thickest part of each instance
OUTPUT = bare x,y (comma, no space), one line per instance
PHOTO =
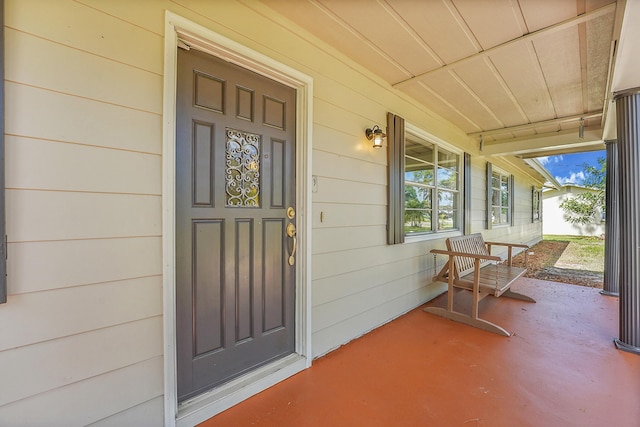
211,403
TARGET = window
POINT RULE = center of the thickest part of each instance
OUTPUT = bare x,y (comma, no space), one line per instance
499,197
425,183
536,204
431,187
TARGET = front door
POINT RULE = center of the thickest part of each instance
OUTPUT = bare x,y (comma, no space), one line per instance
235,221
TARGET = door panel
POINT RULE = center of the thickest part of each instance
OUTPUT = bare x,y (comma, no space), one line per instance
235,178
274,264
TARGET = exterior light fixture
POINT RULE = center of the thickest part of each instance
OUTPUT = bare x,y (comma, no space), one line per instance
375,134
581,128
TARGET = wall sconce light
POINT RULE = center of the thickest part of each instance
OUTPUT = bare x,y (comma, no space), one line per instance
375,134
581,128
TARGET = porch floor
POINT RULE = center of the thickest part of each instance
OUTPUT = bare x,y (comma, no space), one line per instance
559,368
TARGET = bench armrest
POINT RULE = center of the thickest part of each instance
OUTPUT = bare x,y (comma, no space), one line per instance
514,245
466,255
510,247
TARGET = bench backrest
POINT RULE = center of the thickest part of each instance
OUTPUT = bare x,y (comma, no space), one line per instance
473,244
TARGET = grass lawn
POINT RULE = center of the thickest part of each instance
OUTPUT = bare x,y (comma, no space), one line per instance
578,260
581,253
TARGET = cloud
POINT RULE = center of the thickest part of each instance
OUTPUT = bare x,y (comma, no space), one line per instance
574,178
543,160
549,159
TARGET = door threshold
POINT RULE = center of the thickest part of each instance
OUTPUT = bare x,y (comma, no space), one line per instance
202,407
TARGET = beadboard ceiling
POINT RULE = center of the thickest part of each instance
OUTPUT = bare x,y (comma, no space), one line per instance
517,75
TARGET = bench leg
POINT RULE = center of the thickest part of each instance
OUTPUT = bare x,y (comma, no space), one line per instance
515,295
468,320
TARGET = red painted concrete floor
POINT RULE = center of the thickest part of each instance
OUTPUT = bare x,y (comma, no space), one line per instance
559,368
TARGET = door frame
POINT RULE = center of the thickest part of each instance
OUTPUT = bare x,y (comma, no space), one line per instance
178,30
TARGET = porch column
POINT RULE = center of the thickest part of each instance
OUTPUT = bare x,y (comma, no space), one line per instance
612,229
628,128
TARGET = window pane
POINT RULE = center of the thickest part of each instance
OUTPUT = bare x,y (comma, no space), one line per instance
504,218
417,212
495,216
495,201
419,163
417,197
504,183
447,178
448,160
495,180
417,221
447,204
447,199
424,176
505,198
418,149
447,219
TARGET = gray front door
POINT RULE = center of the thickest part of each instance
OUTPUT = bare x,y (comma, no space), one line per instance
235,180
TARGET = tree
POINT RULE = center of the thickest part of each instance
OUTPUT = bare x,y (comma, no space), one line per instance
583,208
411,216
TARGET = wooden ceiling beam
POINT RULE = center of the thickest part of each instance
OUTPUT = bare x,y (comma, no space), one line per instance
542,145
534,125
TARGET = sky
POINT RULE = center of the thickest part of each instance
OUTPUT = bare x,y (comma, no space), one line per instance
569,168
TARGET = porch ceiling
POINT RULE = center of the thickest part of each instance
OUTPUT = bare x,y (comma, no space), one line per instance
518,74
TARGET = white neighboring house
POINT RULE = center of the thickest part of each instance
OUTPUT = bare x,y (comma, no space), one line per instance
554,218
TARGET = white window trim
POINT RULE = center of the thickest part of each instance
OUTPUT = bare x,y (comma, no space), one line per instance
420,133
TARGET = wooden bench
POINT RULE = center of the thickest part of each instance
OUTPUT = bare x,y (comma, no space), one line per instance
475,269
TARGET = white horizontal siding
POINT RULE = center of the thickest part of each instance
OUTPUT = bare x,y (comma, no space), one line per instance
349,168
69,263
39,113
335,263
146,414
91,30
44,366
57,215
90,400
342,239
42,63
328,139
349,215
80,309
138,14
371,279
346,307
332,337
30,166
83,177
331,190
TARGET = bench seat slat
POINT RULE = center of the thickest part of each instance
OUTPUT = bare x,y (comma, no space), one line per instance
494,280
